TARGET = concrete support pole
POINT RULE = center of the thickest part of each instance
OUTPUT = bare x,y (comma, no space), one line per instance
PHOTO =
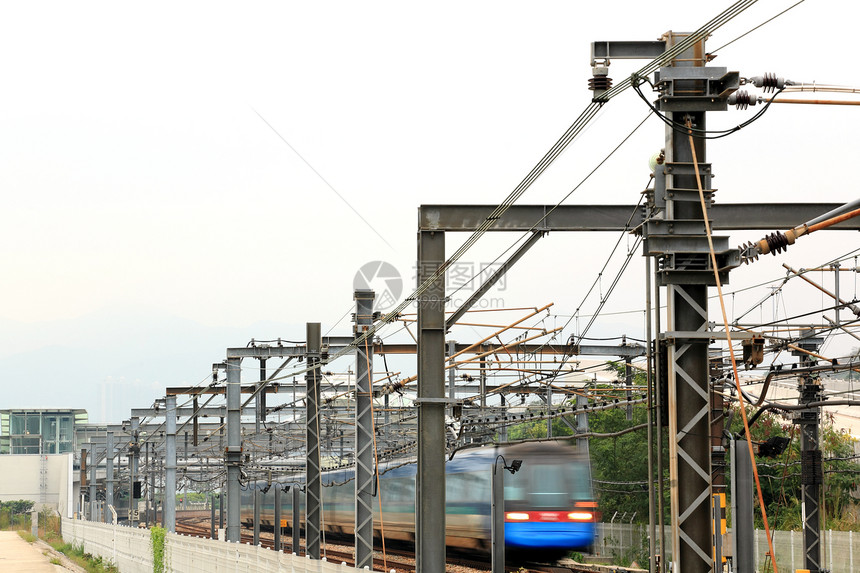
234,449
313,489
94,460
430,479
277,524
363,432
169,518
108,477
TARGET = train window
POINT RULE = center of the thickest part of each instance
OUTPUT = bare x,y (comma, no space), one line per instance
457,488
515,486
580,481
549,485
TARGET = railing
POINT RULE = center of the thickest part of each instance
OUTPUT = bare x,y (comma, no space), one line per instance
130,549
838,551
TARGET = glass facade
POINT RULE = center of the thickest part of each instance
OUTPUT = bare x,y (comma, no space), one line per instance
39,431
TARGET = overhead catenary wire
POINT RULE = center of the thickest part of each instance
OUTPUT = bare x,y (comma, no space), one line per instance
555,151
771,19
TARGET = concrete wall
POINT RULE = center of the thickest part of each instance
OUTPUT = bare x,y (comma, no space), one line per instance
20,478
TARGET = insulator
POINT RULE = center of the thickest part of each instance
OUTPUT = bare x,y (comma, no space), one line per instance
768,82
776,242
742,99
749,252
599,83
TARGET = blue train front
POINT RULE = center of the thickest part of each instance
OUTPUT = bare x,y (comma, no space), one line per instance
549,507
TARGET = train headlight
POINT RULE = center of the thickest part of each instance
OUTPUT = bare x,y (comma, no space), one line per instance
580,516
517,516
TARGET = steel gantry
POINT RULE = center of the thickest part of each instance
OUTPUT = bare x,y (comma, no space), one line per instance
688,332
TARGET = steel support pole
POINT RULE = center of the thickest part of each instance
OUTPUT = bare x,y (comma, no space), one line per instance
277,524
363,432
297,524
628,381
549,410
169,518
313,489
148,495
108,518
94,460
133,466
452,376
234,449
687,311
212,516
221,507
743,528
811,475
658,426
581,425
650,379
497,518
153,508
256,497
689,431
430,479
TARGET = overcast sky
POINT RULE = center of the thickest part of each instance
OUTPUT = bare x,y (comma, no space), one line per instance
204,162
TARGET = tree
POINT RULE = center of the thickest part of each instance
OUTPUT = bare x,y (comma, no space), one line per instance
620,470
17,506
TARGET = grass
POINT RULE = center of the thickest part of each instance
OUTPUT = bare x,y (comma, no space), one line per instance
77,555
26,536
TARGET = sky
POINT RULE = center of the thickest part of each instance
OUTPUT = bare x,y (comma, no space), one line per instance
182,177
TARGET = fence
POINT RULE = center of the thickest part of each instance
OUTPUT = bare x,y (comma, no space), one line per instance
130,549
630,541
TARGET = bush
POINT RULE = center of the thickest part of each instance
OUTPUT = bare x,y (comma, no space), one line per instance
17,507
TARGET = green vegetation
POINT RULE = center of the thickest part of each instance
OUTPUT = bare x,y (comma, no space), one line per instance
16,507
15,514
76,554
157,539
620,472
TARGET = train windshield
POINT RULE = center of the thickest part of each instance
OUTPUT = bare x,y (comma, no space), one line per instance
549,485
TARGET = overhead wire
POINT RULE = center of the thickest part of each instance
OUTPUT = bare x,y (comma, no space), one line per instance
555,151
771,19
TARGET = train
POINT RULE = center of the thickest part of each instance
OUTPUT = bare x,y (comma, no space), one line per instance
549,505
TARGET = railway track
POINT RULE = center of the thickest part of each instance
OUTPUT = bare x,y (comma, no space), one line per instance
399,560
